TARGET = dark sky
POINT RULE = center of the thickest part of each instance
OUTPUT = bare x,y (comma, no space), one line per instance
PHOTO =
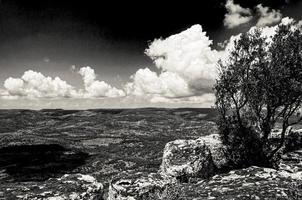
110,36
116,20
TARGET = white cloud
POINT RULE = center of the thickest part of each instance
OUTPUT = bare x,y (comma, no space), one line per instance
187,53
267,16
96,88
299,24
236,15
73,68
166,84
187,64
186,70
35,85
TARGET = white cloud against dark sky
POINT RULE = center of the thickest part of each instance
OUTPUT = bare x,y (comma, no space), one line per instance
178,69
237,15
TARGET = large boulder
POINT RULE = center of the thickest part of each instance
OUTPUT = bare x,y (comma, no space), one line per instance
201,158
67,187
217,149
138,186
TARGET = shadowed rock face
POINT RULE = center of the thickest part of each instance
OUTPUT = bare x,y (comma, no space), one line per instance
39,162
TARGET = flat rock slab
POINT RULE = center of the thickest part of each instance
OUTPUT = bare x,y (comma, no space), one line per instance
137,186
250,183
75,187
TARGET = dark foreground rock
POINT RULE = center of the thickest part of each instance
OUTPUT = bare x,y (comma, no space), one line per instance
67,187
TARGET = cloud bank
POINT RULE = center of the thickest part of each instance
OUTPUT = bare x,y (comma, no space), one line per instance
36,85
96,88
185,61
237,15
185,70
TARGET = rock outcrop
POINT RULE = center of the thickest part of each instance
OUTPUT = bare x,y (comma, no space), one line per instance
112,140
132,142
182,160
138,186
291,162
250,183
67,187
201,158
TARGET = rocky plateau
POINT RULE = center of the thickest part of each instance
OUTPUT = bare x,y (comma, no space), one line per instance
130,154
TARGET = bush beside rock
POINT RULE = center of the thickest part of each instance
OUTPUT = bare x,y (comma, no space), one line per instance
202,158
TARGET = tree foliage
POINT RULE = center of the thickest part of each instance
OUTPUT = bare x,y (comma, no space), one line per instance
259,85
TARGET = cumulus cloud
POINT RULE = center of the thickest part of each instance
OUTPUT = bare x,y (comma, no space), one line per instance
267,16
236,15
299,24
187,53
96,88
34,84
187,66
166,84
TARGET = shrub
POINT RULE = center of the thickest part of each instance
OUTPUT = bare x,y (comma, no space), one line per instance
259,84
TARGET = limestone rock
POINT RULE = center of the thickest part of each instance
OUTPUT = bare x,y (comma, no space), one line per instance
243,184
291,161
199,158
217,149
67,187
139,186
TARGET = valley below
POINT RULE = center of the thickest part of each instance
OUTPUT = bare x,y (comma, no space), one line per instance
79,154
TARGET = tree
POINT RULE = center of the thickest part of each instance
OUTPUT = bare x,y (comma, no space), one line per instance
259,85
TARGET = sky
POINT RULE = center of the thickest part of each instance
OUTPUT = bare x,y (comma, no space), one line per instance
112,54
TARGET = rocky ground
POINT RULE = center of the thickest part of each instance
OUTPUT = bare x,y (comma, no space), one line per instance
129,154
100,143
